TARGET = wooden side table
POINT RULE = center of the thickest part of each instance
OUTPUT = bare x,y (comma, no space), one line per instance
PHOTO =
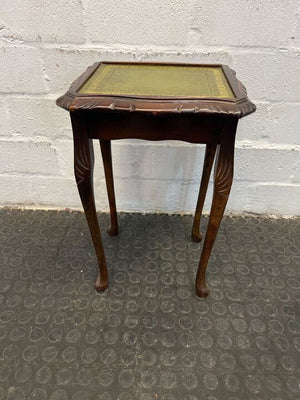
193,103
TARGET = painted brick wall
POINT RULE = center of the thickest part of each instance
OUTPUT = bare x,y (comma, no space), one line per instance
46,44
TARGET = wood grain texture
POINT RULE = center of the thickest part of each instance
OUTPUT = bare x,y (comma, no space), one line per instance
108,170
207,166
222,184
111,125
83,169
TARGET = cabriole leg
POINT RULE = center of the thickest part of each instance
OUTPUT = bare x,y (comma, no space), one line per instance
83,169
222,184
207,166
108,170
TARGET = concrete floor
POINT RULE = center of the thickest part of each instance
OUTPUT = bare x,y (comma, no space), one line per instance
148,336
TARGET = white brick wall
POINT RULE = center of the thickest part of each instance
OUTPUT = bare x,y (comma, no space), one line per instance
45,45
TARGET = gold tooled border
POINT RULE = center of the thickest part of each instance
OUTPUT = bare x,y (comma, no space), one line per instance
91,86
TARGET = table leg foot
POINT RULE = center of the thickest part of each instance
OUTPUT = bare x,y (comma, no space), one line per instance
196,236
112,230
202,289
101,285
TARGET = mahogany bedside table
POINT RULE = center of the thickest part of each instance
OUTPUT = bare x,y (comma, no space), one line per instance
196,103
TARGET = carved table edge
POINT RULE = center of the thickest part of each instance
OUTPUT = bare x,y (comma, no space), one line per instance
238,108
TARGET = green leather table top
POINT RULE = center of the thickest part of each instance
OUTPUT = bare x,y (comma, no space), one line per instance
169,81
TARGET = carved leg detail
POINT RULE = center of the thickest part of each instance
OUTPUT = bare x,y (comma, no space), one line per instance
207,166
83,169
108,170
222,185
